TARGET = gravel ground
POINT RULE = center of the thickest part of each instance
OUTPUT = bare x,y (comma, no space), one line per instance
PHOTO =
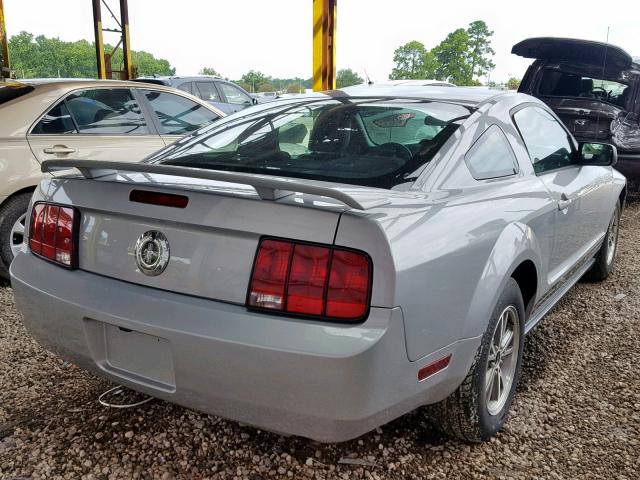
576,415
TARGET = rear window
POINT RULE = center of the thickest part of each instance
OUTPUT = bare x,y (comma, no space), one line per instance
372,142
555,83
11,91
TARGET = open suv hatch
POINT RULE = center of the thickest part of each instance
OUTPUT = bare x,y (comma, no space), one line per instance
593,87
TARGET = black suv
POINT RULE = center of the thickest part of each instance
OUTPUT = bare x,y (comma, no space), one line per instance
225,95
593,87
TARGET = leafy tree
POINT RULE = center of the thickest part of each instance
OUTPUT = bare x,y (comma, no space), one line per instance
209,71
294,88
266,87
51,57
513,83
451,55
479,49
347,77
254,79
410,61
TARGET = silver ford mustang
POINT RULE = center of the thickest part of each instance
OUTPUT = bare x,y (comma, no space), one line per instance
321,265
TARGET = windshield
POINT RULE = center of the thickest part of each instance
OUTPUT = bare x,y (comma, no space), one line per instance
372,142
10,91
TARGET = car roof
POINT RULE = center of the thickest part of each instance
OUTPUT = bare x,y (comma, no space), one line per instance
469,96
415,82
181,77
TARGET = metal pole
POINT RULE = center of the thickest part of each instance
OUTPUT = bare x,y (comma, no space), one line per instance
126,42
97,29
5,70
324,44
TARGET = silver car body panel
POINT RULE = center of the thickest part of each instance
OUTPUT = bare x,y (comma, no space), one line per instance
442,251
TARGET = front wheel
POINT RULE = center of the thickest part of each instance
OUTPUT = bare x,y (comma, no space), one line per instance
478,409
605,258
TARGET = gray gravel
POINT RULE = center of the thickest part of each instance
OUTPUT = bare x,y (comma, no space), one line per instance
577,413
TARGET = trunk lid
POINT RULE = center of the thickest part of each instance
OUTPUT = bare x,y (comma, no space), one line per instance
573,50
212,241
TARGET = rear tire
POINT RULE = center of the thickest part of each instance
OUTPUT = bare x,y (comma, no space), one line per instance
478,409
12,216
606,256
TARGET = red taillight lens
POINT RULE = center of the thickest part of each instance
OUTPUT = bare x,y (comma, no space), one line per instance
52,233
314,280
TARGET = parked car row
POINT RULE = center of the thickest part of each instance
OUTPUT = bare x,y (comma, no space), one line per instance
81,119
389,244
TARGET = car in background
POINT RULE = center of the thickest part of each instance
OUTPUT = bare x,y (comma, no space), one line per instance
223,94
323,264
593,87
81,119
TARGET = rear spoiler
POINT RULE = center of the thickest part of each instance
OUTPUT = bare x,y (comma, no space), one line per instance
267,187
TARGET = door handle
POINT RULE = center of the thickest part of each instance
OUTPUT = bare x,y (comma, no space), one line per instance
564,202
59,149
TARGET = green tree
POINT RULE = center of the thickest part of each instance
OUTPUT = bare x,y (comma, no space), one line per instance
479,50
513,83
209,71
294,88
266,87
409,61
51,57
347,77
451,55
254,79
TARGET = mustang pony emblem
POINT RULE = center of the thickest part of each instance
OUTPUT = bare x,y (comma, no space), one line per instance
152,253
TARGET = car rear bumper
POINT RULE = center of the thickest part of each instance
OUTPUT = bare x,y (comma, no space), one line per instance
324,381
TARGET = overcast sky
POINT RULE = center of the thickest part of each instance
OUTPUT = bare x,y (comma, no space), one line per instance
274,36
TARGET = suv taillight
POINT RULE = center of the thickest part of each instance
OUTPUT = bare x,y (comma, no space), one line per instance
53,233
304,279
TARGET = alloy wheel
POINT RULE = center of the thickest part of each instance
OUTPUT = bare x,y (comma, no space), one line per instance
612,238
502,360
16,237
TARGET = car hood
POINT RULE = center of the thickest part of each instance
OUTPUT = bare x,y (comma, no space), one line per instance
573,50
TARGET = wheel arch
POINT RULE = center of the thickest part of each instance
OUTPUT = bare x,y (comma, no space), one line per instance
29,189
516,254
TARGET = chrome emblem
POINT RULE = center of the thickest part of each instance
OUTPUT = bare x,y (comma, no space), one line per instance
152,253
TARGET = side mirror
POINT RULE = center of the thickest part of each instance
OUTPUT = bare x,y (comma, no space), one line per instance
599,154
254,100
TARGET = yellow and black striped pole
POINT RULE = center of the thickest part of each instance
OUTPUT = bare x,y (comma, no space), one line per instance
324,44
97,29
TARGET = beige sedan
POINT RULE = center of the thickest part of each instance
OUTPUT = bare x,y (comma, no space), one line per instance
81,119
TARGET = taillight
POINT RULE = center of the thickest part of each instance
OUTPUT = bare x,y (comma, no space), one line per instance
303,279
53,233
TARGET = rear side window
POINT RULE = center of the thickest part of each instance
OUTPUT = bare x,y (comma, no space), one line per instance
491,156
11,91
107,111
207,91
178,115
234,95
187,87
57,121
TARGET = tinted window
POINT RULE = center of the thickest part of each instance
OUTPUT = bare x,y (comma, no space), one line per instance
555,83
207,91
57,121
187,87
178,115
547,142
326,140
107,111
234,95
491,156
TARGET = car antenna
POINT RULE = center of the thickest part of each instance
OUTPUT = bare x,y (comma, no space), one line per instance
604,68
369,81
